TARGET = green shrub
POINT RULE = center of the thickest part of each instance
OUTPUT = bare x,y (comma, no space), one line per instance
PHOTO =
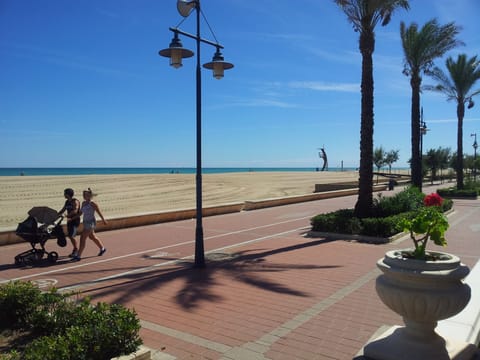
107,330
18,301
54,314
406,200
383,227
13,355
102,331
447,204
472,185
112,328
388,213
52,348
452,192
68,330
341,221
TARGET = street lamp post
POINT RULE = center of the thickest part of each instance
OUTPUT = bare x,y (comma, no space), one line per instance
475,146
176,52
423,132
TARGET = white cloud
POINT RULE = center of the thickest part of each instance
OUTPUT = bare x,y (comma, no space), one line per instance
323,86
452,120
63,59
255,102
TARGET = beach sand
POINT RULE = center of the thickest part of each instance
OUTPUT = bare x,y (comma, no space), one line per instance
126,195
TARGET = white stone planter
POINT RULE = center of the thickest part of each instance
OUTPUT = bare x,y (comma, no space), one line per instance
422,292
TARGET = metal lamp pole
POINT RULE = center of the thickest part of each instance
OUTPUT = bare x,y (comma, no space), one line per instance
475,146
423,131
199,248
176,52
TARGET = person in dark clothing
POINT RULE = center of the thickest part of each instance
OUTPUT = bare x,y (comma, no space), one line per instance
72,207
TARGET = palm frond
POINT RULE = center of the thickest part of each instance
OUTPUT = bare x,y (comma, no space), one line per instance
462,75
422,46
366,14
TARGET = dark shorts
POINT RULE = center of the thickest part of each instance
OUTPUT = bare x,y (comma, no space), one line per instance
72,227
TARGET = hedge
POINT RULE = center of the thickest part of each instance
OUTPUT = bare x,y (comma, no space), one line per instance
452,192
388,212
64,329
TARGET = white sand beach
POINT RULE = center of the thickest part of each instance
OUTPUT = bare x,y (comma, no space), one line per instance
124,195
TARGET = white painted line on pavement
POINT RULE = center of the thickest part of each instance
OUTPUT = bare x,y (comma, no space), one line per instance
77,266
171,262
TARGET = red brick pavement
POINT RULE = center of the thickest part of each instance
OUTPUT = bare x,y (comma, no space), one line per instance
267,292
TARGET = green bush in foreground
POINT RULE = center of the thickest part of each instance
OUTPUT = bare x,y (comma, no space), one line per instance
101,332
18,301
65,329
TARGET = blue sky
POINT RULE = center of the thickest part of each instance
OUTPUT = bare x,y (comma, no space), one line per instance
82,84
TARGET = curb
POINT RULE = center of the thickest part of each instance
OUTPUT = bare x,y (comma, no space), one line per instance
359,238
143,353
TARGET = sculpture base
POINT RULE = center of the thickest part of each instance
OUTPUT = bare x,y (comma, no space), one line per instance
396,344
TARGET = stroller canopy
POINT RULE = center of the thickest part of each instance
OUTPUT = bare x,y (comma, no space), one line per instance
44,214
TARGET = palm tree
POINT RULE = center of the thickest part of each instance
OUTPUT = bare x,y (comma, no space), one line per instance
464,73
421,48
365,15
444,154
432,160
390,158
379,159
379,155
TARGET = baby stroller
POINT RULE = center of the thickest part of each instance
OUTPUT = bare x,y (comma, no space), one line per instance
42,224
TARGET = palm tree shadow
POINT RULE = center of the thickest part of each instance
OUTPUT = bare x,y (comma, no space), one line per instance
248,267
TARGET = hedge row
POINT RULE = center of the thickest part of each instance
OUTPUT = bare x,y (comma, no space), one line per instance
338,222
452,192
388,213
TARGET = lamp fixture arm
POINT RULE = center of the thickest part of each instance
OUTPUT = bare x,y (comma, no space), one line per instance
191,36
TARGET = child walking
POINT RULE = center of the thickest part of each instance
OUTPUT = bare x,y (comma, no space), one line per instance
88,210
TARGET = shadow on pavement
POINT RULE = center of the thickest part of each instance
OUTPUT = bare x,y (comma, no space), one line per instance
247,267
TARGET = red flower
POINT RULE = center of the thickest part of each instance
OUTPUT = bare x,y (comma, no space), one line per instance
433,200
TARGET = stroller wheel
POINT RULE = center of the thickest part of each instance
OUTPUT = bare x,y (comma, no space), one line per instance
53,257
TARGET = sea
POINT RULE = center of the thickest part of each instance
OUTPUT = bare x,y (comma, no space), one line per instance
145,170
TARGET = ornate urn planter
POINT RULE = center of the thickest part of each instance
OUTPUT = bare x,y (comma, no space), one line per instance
422,292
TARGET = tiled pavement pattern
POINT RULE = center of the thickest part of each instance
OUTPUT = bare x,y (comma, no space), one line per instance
268,292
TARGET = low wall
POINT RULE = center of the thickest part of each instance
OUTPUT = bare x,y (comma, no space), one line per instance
9,237
354,185
260,204
336,186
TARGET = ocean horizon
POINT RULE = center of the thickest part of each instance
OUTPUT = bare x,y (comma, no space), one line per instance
56,171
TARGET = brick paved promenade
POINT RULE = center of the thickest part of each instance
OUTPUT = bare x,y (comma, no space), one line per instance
268,292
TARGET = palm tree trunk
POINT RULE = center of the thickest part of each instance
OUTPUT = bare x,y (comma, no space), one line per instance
364,204
416,163
460,115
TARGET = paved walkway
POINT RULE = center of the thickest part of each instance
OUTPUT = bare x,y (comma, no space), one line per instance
268,292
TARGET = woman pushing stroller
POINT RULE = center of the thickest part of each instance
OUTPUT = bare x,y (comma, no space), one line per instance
88,210
72,207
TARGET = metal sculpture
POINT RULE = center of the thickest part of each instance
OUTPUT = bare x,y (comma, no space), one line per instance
323,155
